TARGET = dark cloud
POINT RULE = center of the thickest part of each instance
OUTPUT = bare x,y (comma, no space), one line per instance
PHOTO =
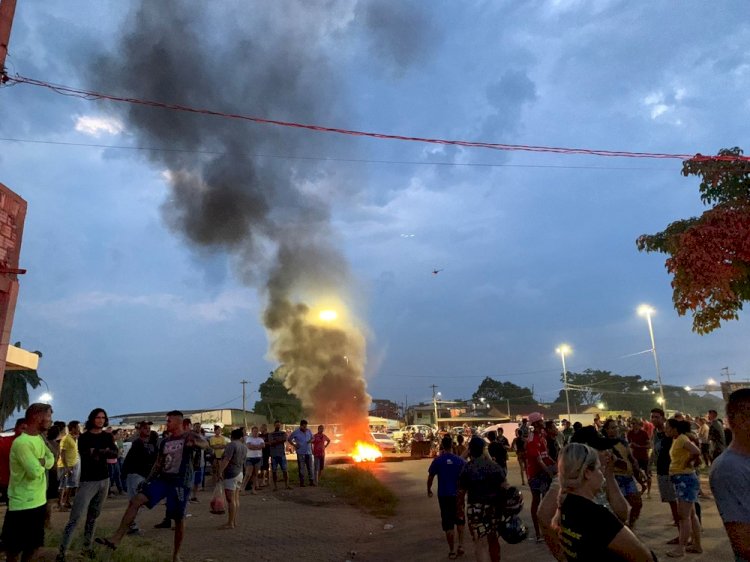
507,97
261,210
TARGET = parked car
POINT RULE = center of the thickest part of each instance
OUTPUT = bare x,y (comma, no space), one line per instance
385,443
411,429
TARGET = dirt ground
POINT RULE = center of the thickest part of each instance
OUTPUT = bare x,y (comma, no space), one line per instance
312,524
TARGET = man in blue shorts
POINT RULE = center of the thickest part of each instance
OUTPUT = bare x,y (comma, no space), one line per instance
277,442
170,479
447,467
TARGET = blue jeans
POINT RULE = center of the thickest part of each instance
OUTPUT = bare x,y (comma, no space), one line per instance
114,475
89,502
305,460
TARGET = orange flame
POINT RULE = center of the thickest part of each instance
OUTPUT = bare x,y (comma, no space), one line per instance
365,452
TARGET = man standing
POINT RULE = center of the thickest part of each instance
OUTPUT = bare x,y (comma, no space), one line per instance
660,446
730,476
497,451
567,432
447,467
69,464
277,443
301,439
199,466
30,459
217,442
138,464
639,444
95,446
539,467
171,478
480,482
716,437
320,443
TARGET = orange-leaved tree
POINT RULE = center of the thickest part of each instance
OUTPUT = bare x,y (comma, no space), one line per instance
710,255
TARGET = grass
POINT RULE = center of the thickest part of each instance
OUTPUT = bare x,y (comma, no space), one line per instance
359,487
142,550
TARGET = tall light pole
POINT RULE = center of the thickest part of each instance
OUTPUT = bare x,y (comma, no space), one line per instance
244,412
562,350
647,311
434,402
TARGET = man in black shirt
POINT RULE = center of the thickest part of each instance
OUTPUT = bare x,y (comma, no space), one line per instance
497,451
171,478
138,463
95,446
480,483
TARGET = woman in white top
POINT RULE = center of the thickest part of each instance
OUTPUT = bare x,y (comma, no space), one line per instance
255,445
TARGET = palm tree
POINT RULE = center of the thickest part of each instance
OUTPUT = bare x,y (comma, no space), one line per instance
14,395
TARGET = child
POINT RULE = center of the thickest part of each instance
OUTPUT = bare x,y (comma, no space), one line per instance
319,443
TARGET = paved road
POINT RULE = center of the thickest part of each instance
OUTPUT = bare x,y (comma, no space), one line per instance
417,533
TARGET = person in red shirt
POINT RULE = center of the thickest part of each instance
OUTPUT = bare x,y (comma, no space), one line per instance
639,445
320,442
648,427
5,443
540,468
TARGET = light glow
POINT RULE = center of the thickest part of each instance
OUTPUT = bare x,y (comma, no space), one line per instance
601,405
365,452
564,349
645,310
711,382
659,400
688,388
328,315
46,397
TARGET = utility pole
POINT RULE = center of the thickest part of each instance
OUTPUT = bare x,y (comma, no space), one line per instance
725,373
7,10
243,382
434,402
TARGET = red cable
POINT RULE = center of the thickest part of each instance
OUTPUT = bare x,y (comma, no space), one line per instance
88,94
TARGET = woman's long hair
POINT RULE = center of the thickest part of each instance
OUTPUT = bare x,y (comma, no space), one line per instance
574,459
92,416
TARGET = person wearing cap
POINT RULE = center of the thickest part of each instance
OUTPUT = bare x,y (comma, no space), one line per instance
138,464
479,484
540,468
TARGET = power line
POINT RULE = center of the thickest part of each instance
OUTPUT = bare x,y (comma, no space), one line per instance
93,95
337,159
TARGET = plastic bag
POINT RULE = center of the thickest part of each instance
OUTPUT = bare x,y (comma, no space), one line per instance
218,503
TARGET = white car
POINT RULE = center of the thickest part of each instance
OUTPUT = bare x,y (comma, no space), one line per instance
384,442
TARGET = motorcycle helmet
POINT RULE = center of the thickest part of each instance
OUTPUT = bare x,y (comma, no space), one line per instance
511,502
513,530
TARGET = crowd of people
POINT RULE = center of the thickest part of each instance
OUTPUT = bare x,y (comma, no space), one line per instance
587,483
46,466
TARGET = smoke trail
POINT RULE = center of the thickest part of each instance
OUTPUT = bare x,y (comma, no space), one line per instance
277,61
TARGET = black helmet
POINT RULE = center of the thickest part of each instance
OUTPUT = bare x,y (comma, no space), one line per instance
513,530
511,502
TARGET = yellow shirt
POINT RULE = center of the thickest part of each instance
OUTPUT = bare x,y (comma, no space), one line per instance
68,452
680,456
218,440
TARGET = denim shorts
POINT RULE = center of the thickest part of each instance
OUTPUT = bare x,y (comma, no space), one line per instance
177,497
278,461
686,486
626,485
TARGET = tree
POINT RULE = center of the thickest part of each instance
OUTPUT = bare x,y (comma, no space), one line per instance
277,403
496,393
14,395
710,255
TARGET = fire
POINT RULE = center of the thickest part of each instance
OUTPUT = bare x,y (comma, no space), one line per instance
365,452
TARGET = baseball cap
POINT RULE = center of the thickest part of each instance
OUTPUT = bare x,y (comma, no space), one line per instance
535,417
144,422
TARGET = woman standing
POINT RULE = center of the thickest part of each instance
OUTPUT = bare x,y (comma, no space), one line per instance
684,455
588,531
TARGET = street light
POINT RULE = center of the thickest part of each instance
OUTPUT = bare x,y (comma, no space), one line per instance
46,398
647,311
562,350
601,405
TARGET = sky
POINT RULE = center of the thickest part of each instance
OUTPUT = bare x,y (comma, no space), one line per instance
534,250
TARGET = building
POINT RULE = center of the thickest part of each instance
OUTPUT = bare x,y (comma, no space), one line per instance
229,417
382,408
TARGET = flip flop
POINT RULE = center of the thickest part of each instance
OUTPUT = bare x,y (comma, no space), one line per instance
105,542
